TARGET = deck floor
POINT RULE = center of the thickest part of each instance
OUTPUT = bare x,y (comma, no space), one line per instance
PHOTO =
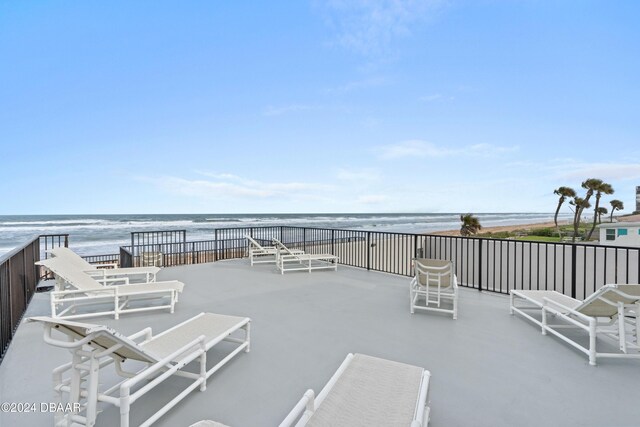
488,368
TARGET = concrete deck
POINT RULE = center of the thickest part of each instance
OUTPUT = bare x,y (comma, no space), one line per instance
488,368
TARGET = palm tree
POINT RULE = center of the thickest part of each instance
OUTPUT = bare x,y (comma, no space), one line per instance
615,205
601,211
601,189
470,225
590,185
563,192
580,205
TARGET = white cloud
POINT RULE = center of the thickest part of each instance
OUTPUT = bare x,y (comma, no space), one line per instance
370,26
419,148
233,186
372,199
360,84
431,98
357,175
605,171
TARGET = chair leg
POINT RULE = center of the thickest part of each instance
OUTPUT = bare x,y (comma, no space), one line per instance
92,390
411,309
248,337
203,367
592,342
455,305
512,300
622,333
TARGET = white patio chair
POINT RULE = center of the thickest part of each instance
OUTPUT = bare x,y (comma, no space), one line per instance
79,290
263,254
104,271
612,312
367,392
260,254
434,282
93,348
294,260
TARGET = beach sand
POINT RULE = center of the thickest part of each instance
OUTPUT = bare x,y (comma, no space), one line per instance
549,224
502,228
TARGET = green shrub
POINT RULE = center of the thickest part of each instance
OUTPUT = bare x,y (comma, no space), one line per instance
543,232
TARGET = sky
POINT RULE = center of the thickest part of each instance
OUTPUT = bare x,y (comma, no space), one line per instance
315,106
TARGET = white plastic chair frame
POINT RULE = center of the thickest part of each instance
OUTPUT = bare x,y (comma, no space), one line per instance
79,289
108,272
259,254
94,347
612,312
295,260
434,281
309,404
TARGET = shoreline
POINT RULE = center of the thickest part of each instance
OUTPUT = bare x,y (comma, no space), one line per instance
499,228
534,226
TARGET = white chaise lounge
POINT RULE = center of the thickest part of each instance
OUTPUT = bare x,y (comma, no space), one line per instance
94,347
434,282
77,289
367,392
288,260
259,254
106,271
612,312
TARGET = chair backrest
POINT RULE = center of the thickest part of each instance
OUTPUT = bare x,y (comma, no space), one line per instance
282,247
68,272
253,242
434,272
604,301
72,257
102,338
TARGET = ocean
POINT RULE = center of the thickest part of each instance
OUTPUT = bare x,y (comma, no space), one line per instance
104,234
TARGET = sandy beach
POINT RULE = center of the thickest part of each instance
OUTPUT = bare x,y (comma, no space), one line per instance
625,218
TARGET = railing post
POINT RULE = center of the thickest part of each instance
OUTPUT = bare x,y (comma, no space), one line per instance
574,256
480,264
66,240
415,246
368,249
333,242
215,248
304,239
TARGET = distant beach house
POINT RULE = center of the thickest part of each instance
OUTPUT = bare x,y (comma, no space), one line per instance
620,233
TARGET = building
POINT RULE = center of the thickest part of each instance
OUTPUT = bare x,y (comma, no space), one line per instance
638,198
620,234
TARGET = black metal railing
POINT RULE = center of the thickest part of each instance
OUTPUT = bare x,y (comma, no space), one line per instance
103,259
486,264
19,277
158,237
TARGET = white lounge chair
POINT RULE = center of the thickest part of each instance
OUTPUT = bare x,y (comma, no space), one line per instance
263,254
367,391
434,282
95,347
612,312
290,260
76,289
104,271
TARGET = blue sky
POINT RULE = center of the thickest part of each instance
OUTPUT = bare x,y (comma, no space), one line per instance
320,106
